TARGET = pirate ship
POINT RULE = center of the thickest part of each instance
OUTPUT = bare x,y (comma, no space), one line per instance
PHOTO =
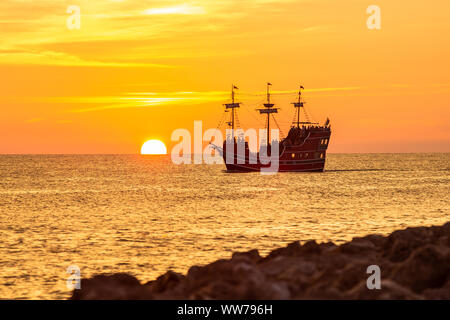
302,150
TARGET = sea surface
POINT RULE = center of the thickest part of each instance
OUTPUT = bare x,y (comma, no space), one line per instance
144,215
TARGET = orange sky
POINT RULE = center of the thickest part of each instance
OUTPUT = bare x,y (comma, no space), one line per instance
137,70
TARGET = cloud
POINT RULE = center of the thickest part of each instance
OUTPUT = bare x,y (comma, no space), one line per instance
182,9
150,99
34,120
33,57
133,100
114,31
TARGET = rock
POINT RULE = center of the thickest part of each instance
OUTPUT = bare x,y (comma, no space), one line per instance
390,290
400,244
351,276
427,267
252,255
119,286
414,264
165,282
229,279
438,293
359,246
291,250
376,239
310,247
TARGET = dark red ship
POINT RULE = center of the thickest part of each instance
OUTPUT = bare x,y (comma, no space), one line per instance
302,150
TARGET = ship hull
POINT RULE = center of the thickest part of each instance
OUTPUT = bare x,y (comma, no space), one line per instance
306,166
302,151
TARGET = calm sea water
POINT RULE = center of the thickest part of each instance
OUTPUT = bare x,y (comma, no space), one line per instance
144,215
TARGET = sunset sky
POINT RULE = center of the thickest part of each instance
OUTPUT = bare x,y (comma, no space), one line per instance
137,70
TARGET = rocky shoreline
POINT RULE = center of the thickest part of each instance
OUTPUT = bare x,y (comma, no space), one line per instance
414,264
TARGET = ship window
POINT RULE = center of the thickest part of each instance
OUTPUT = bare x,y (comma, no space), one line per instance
293,155
326,141
321,155
322,141
306,155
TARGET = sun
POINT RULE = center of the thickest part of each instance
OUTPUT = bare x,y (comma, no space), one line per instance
153,147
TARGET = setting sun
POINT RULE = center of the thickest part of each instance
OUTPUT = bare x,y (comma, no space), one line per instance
153,147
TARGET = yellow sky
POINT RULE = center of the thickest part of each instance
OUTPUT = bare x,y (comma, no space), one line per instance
137,70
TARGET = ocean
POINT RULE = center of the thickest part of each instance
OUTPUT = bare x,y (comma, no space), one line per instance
144,215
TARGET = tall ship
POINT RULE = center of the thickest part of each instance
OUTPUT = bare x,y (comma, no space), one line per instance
302,150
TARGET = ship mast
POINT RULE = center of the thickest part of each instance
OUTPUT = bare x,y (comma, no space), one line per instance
298,105
233,105
269,109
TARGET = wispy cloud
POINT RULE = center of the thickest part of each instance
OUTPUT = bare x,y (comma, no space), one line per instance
317,90
34,120
135,29
151,99
423,85
11,56
181,9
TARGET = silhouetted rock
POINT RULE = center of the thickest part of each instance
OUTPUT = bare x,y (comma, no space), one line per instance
252,255
427,267
414,264
119,286
167,281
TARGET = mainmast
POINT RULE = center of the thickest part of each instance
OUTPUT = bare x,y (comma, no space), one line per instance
268,110
233,105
